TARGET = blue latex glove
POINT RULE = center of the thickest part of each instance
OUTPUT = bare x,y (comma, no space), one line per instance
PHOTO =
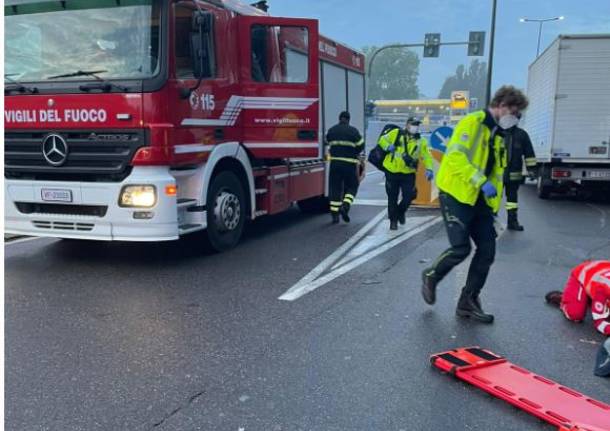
429,174
391,148
489,190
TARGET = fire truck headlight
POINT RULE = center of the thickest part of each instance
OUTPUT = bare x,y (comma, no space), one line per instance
138,196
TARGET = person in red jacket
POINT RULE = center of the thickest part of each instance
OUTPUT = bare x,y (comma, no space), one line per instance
588,282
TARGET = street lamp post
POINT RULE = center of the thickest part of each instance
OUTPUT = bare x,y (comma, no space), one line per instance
540,23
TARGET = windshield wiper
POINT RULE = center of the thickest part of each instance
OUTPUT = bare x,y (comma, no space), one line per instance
17,86
103,84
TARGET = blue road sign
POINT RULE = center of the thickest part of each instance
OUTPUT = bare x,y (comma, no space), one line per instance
440,137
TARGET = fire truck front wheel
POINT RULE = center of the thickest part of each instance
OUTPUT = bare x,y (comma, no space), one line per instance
226,211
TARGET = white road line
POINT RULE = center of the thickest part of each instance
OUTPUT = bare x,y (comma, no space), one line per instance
380,236
326,263
373,172
311,281
17,241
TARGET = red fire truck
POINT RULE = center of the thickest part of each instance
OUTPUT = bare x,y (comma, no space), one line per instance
144,120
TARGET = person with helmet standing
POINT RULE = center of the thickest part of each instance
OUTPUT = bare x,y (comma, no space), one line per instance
588,282
345,146
470,180
520,149
404,150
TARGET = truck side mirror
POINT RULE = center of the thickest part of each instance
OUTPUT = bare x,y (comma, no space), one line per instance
201,30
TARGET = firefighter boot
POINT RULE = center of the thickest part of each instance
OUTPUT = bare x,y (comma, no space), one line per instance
513,222
393,225
428,287
344,211
469,305
335,217
402,217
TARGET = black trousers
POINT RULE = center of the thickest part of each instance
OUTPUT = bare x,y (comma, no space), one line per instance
463,223
512,194
343,184
396,184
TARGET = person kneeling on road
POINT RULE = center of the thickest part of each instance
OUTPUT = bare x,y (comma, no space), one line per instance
404,148
470,181
588,282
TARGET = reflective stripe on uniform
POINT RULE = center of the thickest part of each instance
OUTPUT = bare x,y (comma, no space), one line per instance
515,175
583,272
512,205
344,143
475,180
459,148
530,161
602,326
344,159
335,205
349,198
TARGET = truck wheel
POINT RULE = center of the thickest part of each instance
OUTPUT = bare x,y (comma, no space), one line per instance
226,211
315,205
544,191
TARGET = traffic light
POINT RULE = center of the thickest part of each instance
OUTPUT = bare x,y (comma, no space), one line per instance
476,43
369,109
432,43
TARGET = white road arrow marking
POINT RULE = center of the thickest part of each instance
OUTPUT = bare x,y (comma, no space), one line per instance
357,250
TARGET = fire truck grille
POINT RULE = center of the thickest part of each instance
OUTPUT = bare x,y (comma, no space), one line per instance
91,156
60,225
79,210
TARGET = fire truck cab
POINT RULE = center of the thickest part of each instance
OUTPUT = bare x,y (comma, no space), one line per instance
144,120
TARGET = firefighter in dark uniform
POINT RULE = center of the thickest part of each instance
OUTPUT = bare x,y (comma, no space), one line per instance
345,146
519,147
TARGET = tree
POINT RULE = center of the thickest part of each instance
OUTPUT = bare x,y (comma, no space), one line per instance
474,80
395,73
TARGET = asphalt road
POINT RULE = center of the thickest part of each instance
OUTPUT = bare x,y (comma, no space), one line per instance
118,336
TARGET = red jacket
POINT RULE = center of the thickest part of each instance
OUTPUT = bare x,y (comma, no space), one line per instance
594,276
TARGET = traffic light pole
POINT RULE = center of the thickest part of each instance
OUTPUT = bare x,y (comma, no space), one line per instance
406,45
492,38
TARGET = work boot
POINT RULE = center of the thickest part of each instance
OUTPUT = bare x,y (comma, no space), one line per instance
470,307
393,225
402,217
513,222
428,287
335,218
553,298
344,212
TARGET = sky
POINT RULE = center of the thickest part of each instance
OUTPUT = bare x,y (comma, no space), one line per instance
361,23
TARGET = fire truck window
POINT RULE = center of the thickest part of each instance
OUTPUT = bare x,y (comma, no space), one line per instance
183,29
280,54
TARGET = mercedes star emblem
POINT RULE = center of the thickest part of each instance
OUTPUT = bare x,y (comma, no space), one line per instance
55,150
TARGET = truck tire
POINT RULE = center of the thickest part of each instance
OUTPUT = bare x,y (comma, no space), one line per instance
315,205
226,211
543,190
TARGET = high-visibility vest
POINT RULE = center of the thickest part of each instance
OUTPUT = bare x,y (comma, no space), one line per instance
416,148
462,170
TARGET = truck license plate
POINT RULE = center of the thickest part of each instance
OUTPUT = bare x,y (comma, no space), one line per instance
56,195
600,174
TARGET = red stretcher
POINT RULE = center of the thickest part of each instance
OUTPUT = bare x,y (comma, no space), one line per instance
563,407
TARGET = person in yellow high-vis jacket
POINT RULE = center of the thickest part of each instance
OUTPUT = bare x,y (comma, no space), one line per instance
405,148
470,180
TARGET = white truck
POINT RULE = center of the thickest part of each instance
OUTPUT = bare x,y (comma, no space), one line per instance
568,118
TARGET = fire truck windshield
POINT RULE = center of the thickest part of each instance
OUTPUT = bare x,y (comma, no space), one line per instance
51,38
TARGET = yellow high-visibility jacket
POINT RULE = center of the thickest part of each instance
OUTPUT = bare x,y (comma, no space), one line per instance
462,170
416,148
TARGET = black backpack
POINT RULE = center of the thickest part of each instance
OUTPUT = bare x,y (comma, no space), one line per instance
377,154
